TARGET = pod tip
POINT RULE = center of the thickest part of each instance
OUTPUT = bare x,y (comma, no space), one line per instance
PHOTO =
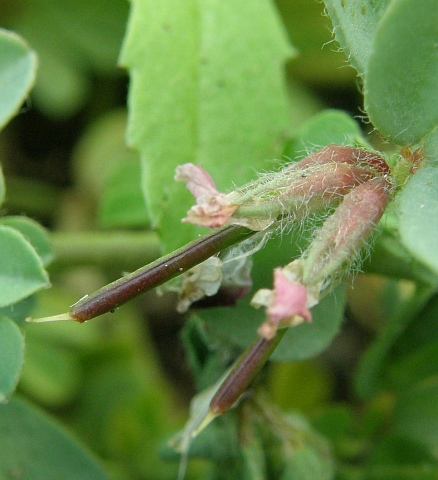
54,318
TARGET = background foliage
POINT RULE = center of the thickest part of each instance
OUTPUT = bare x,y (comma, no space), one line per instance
233,86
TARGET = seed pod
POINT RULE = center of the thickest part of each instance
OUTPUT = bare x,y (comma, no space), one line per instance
242,373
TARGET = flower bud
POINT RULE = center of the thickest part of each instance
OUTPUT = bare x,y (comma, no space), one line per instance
298,286
287,304
316,182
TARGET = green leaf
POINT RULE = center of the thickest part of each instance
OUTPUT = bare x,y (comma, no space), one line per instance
21,270
354,25
38,449
51,373
329,126
34,233
335,422
418,215
431,148
17,73
203,90
401,309
19,311
2,187
415,366
11,357
308,464
401,81
396,450
72,41
415,355
121,206
416,414
309,339
301,342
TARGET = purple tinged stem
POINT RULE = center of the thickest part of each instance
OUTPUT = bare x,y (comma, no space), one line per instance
157,272
247,366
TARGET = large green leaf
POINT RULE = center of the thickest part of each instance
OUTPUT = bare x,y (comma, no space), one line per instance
418,213
34,447
206,87
401,82
21,269
11,356
354,25
17,73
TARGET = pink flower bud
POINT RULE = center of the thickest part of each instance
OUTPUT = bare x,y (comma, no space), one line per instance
286,304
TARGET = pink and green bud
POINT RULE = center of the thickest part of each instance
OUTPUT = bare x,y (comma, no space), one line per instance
341,154
311,185
298,286
293,194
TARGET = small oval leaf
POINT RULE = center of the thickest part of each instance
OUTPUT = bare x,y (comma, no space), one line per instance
11,356
21,269
2,187
418,214
34,233
401,82
354,24
17,73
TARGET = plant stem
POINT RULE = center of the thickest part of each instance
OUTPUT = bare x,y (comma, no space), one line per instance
156,273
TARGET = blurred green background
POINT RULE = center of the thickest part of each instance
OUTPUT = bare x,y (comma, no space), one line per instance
122,383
